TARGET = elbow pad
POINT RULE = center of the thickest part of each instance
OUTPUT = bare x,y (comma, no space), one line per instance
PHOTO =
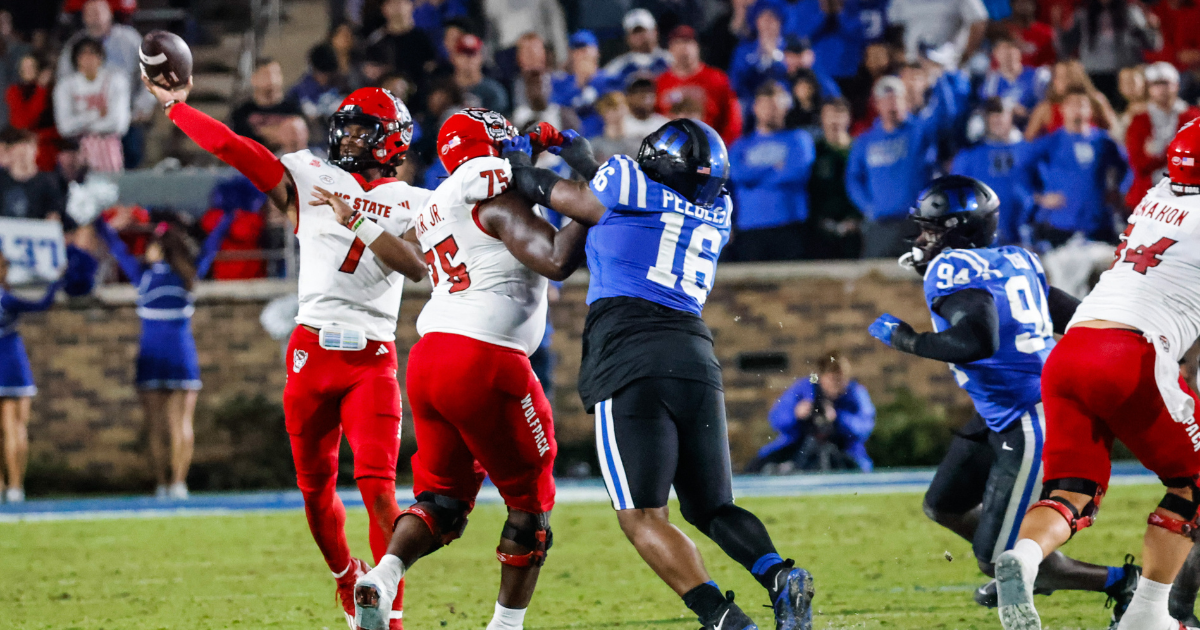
535,183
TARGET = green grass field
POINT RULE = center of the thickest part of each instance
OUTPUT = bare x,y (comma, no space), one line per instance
878,563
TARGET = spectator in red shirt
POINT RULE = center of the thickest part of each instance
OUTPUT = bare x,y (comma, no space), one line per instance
1151,131
688,77
239,196
1035,38
28,101
1180,26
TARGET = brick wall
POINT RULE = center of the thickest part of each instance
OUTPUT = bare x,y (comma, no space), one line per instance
87,415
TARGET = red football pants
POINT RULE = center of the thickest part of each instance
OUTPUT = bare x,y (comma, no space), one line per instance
1098,384
329,392
478,409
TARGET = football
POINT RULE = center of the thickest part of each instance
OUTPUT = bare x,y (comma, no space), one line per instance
165,59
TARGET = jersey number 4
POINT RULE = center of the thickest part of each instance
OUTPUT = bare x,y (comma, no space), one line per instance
1141,257
441,255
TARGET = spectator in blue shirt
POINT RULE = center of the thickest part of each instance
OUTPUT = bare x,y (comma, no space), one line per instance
581,83
799,57
889,164
1072,174
836,33
644,56
994,161
769,172
761,59
823,421
1020,88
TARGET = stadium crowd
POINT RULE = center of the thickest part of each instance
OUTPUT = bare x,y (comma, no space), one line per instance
835,112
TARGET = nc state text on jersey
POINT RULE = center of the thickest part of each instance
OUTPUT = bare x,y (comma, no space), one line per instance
718,214
370,207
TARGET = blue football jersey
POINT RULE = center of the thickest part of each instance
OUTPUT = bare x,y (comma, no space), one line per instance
1006,385
652,243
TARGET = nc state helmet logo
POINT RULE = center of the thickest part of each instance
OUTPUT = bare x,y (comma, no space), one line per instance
497,126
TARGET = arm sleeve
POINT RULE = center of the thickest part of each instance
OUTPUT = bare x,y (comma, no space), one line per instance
250,158
857,423
973,335
128,262
1062,308
14,304
212,245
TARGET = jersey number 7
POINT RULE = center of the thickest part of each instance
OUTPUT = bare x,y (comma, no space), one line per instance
350,264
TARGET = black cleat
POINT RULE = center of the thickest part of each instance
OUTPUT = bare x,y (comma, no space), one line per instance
1121,593
986,595
729,617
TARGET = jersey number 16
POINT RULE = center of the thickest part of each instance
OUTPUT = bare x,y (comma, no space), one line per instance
698,272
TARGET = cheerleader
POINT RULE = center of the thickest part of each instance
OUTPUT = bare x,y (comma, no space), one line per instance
168,370
16,382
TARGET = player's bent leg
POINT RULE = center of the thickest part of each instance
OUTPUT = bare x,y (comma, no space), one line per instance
524,543
429,524
1166,546
1182,602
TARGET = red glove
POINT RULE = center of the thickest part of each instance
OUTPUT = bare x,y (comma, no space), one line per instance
545,136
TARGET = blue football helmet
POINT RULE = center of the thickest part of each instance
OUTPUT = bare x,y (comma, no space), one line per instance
953,212
688,157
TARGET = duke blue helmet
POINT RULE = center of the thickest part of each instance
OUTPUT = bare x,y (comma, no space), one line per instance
688,157
953,212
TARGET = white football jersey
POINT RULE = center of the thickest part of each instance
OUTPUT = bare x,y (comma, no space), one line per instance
341,280
480,290
1154,285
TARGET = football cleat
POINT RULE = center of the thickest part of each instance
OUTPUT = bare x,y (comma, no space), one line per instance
1121,593
986,595
729,617
1014,594
793,602
373,603
345,587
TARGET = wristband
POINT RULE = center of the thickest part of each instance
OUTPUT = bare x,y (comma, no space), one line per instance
366,229
168,104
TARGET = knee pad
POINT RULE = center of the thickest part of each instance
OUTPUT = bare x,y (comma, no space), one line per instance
531,531
1077,519
1186,508
445,516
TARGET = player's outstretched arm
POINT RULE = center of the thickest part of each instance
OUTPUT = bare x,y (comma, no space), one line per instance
1062,307
973,335
395,252
543,186
555,254
250,158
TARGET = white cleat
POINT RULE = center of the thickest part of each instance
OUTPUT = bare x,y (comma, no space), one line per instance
178,491
15,495
373,602
1014,594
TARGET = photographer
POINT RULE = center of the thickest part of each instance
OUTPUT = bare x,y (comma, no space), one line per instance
823,421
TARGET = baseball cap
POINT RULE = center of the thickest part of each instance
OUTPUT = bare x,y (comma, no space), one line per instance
683,31
888,85
1161,71
638,18
469,44
582,39
640,81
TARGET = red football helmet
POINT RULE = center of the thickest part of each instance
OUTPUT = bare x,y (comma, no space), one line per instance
388,130
471,133
1182,156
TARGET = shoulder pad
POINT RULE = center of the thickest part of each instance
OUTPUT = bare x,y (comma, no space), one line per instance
484,177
